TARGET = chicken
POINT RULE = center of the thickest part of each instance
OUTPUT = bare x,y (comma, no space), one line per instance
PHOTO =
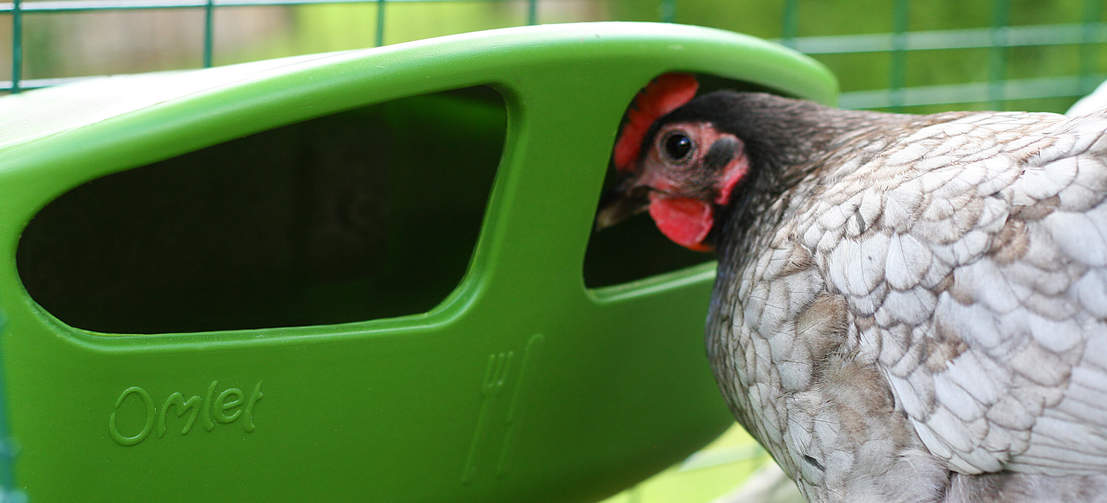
1096,100
907,307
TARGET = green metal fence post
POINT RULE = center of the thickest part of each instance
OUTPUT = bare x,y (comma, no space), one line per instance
380,23
1088,48
17,45
532,12
668,11
997,64
209,11
898,71
789,23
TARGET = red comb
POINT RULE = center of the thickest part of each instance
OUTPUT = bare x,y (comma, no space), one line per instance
663,95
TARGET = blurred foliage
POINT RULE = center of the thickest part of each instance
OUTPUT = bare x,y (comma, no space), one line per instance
114,42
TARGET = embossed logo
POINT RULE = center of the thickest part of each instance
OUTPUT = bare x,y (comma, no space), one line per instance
493,431
225,407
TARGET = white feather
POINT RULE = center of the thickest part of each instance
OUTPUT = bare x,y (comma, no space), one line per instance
912,307
938,171
892,346
873,252
1092,172
1077,197
901,205
867,304
1048,282
812,235
1089,384
968,372
974,322
931,441
1047,181
907,261
957,400
830,239
1079,235
1056,336
781,343
1080,437
947,427
986,148
1061,147
982,280
911,150
907,396
1039,365
1095,349
833,218
1009,413
970,246
872,203
999,174
794,375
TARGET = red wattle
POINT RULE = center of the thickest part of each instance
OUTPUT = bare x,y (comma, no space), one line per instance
685,221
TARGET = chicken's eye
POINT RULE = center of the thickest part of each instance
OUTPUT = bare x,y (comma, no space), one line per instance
677,146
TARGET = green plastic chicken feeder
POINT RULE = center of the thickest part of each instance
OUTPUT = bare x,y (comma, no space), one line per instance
212,291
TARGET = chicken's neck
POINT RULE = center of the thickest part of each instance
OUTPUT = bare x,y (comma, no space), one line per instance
789,143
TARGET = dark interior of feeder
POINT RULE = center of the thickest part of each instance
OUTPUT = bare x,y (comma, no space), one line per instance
364,214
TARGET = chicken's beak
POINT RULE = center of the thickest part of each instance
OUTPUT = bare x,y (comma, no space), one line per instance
625,200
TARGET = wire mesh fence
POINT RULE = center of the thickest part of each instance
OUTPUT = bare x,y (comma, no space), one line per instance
891,52
17,9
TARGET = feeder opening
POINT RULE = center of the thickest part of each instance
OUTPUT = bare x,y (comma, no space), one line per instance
368,213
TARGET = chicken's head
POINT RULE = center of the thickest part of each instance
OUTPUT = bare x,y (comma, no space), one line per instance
680,168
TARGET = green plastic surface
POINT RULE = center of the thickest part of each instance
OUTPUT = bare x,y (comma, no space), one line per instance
522,385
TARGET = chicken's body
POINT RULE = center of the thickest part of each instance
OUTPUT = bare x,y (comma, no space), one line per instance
907,308
911,301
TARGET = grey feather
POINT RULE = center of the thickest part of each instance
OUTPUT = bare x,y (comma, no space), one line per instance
913,308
